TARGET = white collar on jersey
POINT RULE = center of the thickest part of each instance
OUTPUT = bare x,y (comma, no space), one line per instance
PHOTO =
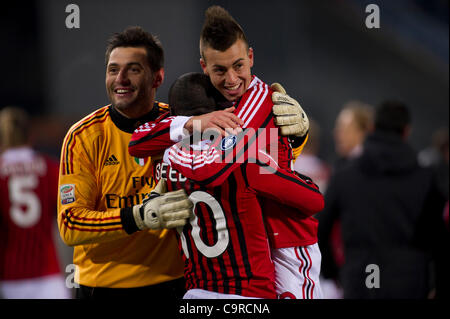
254,82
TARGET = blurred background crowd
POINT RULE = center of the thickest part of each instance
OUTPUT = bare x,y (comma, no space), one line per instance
321,51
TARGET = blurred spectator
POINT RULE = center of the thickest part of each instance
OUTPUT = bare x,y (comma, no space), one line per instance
29,266
390,212
353,123
438,149
436,156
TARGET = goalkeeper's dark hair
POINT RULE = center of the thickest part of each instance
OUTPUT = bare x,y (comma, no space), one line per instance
137,37
14,127
392,116
193,94
220,30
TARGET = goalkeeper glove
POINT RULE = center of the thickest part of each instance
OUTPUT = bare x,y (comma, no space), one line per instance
289,115
163,210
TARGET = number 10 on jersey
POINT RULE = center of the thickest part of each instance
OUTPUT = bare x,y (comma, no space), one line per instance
221,227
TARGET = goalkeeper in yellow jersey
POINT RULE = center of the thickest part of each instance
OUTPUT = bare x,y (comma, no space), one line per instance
122,248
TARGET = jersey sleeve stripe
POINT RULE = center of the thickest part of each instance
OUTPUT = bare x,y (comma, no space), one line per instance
97,117
70,219
70,149
206,161
191,161
245,109
149,137
92,225
256,103
91,229
253,103
266,91
175,159
94,219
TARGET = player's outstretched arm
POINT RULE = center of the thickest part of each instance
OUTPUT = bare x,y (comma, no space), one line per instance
81,219
281,185
79,225
153,138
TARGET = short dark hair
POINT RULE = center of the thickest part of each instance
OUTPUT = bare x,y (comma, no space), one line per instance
193,94
392,116
220,31
135,36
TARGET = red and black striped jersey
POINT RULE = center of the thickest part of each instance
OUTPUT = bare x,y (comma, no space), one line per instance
211,165
28,189
225,245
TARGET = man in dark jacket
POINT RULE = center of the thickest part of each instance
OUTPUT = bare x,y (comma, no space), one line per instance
389,210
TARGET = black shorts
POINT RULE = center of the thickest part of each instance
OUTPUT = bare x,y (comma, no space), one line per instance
173,289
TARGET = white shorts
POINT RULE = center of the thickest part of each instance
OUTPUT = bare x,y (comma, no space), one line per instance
48,287
297,272
206,294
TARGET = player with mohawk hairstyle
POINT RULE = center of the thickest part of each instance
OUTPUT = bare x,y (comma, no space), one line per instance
227,59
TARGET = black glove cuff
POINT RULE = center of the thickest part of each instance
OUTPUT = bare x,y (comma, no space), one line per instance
297,141
127,219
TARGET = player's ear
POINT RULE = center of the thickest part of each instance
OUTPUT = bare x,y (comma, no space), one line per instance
250,56
159,78
203,65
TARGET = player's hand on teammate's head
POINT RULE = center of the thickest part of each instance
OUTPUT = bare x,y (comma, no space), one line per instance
163,210
289,115
224,121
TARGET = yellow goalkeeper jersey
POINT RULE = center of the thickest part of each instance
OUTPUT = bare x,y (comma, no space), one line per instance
98,179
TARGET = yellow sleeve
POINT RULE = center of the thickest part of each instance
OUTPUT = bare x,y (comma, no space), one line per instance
79,221
297,150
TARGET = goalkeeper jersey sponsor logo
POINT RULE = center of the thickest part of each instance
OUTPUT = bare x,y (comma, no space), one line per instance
112,160
67,193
